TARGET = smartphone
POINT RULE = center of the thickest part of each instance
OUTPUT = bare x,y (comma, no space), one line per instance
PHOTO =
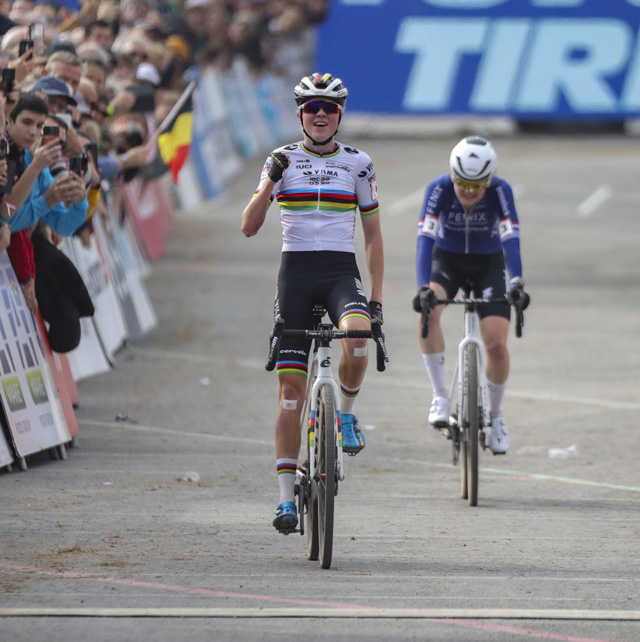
76,165
25,45
92,150
8,79
50,132
36,34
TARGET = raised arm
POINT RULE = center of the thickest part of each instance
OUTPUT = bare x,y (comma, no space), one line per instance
256,211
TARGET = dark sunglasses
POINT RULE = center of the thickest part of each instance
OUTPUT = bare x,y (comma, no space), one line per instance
314,106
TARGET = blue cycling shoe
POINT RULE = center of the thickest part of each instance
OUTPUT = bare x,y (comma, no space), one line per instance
352,437
286,518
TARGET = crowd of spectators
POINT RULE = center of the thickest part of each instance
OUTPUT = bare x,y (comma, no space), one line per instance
84,86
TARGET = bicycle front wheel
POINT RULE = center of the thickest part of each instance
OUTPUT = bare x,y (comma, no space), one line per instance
311,508
472,425
326,472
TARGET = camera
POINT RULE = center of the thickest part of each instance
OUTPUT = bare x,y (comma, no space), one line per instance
7,80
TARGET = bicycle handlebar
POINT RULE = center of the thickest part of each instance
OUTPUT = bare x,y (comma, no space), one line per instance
482,301
327,333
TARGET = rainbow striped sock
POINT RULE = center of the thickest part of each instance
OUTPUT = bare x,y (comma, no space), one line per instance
286,469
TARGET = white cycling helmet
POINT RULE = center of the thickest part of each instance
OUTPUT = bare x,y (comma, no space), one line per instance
320,86
473,159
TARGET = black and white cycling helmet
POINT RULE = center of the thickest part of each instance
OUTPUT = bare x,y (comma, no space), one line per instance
320,86
473,159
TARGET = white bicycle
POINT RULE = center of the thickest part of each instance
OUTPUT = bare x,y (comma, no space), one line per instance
469,424
317,479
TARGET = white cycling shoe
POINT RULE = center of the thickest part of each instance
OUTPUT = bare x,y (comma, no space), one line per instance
439,412
499,439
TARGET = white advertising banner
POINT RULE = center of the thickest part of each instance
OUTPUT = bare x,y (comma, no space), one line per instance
136,307
108,317
29,398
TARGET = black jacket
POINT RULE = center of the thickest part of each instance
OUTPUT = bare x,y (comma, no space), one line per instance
62,295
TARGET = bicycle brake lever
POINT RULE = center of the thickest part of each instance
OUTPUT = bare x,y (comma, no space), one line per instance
274,343
381,349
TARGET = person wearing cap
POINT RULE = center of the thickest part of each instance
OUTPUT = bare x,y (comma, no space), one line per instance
56,93
60,203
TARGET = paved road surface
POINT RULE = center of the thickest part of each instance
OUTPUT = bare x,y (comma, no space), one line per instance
112,544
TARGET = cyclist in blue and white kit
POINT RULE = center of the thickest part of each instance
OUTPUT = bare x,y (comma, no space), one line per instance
319,184
468,228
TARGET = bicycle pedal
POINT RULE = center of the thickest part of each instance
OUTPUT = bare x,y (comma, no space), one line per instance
289,531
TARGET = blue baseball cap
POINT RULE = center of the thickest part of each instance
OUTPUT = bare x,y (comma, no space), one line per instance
54,87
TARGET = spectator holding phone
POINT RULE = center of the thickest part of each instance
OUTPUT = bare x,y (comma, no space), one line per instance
58,200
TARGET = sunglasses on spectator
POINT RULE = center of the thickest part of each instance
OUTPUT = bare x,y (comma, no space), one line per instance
470,186
137,54
57,105
314,106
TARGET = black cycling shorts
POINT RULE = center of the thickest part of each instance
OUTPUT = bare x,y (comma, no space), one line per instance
305,279
487,273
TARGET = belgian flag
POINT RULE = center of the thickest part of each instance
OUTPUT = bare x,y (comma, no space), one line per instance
174,135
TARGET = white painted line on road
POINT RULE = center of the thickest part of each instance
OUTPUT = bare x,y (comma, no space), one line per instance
525,475
170,431
564,480
595,200
410,203
199,358
604,403
397,381
329,612
419,383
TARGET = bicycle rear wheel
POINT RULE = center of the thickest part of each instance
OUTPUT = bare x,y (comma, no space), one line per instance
326,472
472,421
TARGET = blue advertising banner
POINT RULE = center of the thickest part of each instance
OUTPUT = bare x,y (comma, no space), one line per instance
524,58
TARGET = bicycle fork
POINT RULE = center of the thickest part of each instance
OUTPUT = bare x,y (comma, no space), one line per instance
471,336
325,376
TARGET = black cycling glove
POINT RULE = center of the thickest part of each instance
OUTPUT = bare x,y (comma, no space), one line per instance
516,295
375,310
425,299
279,162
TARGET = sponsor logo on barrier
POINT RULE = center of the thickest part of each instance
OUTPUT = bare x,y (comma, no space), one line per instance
37,387
13,394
